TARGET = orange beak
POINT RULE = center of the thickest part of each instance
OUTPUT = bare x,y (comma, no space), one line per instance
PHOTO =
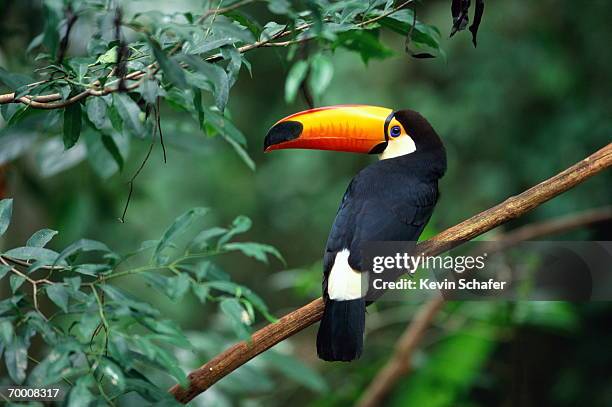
351,128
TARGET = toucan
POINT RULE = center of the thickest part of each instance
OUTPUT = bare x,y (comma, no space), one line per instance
389,200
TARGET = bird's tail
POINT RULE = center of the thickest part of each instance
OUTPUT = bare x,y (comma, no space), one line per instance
340,336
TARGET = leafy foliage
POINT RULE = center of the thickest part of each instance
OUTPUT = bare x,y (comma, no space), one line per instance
96,102
105,342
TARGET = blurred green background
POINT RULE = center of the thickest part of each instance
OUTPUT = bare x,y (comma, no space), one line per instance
530,100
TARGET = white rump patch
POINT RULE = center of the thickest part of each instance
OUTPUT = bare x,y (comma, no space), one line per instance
397,147
344,283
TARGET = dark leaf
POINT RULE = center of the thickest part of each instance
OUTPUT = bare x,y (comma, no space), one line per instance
172,70
364,42
16,281
478,11
58,293
217,77
72,124
6,211
459,11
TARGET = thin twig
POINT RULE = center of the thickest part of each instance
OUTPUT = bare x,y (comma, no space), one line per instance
159,129
131,182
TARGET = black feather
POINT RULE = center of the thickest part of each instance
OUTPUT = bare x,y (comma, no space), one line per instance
340,336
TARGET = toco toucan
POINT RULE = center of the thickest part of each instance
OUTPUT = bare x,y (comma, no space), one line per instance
390,200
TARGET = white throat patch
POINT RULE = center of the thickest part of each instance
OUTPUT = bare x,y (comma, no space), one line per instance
397,147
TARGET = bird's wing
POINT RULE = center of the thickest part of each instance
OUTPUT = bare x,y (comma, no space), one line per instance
377,214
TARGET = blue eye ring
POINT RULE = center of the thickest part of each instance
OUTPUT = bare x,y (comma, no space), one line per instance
396,131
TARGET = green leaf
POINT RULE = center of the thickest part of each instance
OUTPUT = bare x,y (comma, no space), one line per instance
150,91
36,322
225,286
57,363
82,245
294,80
72,124
364,42
239,225
16,281
178,286
172,70
111,147
130,114
228,132
201,240
88,323
6,332
41,238
52,18
91,269
80,395
123,299
238,317
258,251
242,153
174,287
200,291
59,295
6,211
16,359
33,253
96,112
109,57
3,270
179,225
112,372
258,303
321,74
217,77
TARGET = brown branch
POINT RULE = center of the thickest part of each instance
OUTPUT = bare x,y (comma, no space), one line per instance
399,364
46,101
513,207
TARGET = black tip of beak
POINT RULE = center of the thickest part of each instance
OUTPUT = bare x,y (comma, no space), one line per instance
281,132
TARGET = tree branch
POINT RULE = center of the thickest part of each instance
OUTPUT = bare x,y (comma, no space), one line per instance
399,364
513,207
54,100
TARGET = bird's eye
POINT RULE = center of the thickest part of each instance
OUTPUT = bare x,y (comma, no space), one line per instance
396,131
